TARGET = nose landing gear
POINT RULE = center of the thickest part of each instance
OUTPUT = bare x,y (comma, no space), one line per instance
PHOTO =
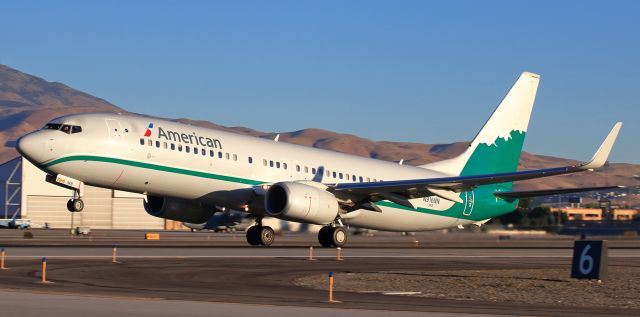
75,205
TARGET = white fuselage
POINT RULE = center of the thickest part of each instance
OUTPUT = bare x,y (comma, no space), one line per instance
111,151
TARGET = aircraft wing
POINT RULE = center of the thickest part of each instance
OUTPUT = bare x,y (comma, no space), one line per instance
449,187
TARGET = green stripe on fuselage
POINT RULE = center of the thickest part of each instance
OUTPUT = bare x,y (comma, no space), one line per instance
153,167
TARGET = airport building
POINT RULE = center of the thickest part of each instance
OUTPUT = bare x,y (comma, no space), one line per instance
25,194
595,214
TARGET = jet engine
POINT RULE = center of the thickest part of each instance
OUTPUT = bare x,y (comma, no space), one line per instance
192,211
301,202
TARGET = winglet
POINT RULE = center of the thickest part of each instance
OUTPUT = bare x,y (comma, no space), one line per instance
600,158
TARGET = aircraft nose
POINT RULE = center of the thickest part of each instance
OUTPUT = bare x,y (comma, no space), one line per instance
31,147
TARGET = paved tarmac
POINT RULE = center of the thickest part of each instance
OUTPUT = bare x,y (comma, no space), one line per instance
295,252
227,278
432,240
21,304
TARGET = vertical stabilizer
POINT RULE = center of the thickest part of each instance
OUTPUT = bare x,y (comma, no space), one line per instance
496,148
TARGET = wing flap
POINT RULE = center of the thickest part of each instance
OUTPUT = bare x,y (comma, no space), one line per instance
511,195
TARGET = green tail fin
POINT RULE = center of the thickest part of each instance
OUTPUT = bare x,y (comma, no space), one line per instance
497,147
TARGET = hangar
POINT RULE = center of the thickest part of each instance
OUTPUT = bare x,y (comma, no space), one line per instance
25,194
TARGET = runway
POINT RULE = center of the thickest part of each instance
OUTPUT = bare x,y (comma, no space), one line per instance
293,252
230,279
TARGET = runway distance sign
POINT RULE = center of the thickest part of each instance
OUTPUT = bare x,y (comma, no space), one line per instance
589,259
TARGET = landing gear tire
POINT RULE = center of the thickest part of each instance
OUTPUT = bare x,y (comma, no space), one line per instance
332,237
267,236
75,205
259,235
253,235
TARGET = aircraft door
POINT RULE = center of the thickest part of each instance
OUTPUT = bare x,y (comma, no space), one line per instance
289,171
115,132
115,129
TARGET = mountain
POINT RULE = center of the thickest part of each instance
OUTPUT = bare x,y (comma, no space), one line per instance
28,102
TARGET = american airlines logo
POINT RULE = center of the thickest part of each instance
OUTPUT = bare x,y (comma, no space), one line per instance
148,132
192,138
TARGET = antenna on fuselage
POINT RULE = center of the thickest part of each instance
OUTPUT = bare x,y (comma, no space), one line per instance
277,137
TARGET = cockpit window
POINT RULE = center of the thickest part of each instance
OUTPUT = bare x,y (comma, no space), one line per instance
66,128
52,126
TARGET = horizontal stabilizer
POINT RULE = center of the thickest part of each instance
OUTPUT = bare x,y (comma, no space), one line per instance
548,192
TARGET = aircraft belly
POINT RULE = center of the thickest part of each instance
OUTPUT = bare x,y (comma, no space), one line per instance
102,174
395,219
165,183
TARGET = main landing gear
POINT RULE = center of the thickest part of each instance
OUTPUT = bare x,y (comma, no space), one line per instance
332,236
328,236
260,235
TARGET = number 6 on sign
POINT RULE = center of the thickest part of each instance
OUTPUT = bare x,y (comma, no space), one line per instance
585,258
589,260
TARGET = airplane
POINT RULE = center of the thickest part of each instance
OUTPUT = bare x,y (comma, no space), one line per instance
187,173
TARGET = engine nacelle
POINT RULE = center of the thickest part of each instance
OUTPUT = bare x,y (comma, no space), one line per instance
301,202
177,209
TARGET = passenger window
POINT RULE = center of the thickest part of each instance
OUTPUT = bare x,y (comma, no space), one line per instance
271,163
346,176
353,178
173,146
179,148
284,165
204,152
277,164
150,142
264,162
76,129
211,153
334,174
219,154
313,171
306,169
235,157
374,180
328,173
250,160
226,155
360,178
187,149
297,168
164,144
340,175
141,141
368,179
158,144
195,150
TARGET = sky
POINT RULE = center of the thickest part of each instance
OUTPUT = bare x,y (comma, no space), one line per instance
416,71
